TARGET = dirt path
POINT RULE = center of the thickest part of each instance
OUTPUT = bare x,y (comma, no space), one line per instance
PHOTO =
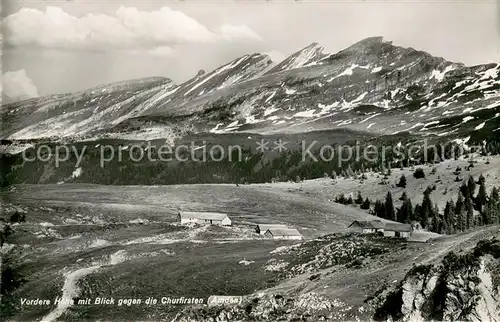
70,290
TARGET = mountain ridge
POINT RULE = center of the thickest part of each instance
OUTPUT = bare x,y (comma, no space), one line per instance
306,91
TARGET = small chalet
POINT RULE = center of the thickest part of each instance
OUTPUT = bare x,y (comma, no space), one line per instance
283,233
208,218
262,228
366,227
397,230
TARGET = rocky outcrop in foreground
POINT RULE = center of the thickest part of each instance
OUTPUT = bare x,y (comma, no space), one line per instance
270,307
463,287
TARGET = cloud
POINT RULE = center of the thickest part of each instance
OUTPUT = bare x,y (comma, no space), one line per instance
127,29
241,31
17,86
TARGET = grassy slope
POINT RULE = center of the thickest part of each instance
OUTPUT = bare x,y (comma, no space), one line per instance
326,189
245,204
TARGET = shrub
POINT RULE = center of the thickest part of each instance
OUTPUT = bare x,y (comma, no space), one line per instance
17,217
419,173
402,182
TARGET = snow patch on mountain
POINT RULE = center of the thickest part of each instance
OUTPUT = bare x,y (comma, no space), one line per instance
467,119
490,73
270,110
327,108
270,97
368,118
438,75
347,72
480,126
308,113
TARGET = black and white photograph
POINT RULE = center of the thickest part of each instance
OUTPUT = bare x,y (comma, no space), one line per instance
250,160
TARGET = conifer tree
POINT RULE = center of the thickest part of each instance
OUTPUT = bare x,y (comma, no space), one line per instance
449,217
426,210
389,207
435,223
491,212
482,196
359,199
366,204
460,213
402,182
469,209
438,219
379,209
464,189
416,212
495,195
405,213
471,186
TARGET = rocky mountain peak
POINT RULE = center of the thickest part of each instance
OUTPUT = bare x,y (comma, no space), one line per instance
368,43
372,47
307,56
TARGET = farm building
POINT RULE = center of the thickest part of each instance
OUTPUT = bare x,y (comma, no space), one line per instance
262,228
211,218
366,227
374,226
283,233
397,230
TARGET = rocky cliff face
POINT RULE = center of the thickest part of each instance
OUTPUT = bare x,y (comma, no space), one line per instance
464,287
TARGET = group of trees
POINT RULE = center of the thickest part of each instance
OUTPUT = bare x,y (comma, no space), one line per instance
253,167
470,209
363,203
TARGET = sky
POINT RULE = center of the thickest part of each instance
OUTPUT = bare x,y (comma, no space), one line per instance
64,46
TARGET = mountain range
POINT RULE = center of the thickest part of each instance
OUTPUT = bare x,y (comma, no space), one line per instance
372,86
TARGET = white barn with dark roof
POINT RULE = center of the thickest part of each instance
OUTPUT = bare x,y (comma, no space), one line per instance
283,233
208,218
262,228
377,226
397,230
